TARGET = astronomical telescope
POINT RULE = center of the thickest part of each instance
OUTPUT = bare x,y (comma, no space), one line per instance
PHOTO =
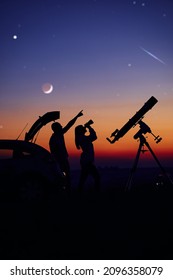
144,128
117,134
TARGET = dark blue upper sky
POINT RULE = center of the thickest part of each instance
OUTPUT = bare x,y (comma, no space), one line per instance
87,39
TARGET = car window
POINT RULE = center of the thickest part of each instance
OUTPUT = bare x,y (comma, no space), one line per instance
6,153
17,153
20,154
10,153
26,153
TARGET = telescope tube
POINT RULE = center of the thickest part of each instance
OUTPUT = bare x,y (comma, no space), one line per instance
117,134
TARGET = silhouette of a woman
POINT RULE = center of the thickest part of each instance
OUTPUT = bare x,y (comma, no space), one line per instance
84,142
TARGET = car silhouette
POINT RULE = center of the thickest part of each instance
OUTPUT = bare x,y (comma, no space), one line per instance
28,171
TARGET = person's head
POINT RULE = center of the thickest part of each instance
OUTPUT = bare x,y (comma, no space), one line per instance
56,127
79,132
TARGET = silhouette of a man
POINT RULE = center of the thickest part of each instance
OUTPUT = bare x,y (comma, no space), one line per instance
58,147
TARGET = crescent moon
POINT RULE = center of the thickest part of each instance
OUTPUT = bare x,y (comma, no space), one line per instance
47,88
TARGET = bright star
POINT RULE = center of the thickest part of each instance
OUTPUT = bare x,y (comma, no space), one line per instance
14,37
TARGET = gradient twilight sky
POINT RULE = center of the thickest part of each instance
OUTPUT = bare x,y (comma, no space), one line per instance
106,57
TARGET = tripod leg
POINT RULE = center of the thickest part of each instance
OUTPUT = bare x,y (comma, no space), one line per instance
159,164
128,185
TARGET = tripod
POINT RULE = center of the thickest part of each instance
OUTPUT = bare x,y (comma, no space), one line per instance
143,142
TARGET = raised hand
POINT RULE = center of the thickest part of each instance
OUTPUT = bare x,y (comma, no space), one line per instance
80,114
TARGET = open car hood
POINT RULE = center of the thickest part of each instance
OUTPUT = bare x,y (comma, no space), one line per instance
46,118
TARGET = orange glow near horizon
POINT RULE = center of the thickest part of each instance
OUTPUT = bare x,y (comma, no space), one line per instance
106,120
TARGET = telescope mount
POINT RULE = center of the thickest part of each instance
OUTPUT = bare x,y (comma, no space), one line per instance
144,128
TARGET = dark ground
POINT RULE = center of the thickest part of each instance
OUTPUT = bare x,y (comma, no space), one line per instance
114,224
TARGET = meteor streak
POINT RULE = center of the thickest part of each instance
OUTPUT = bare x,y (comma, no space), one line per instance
152,55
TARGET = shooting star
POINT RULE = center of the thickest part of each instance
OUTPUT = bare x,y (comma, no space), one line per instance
152,55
